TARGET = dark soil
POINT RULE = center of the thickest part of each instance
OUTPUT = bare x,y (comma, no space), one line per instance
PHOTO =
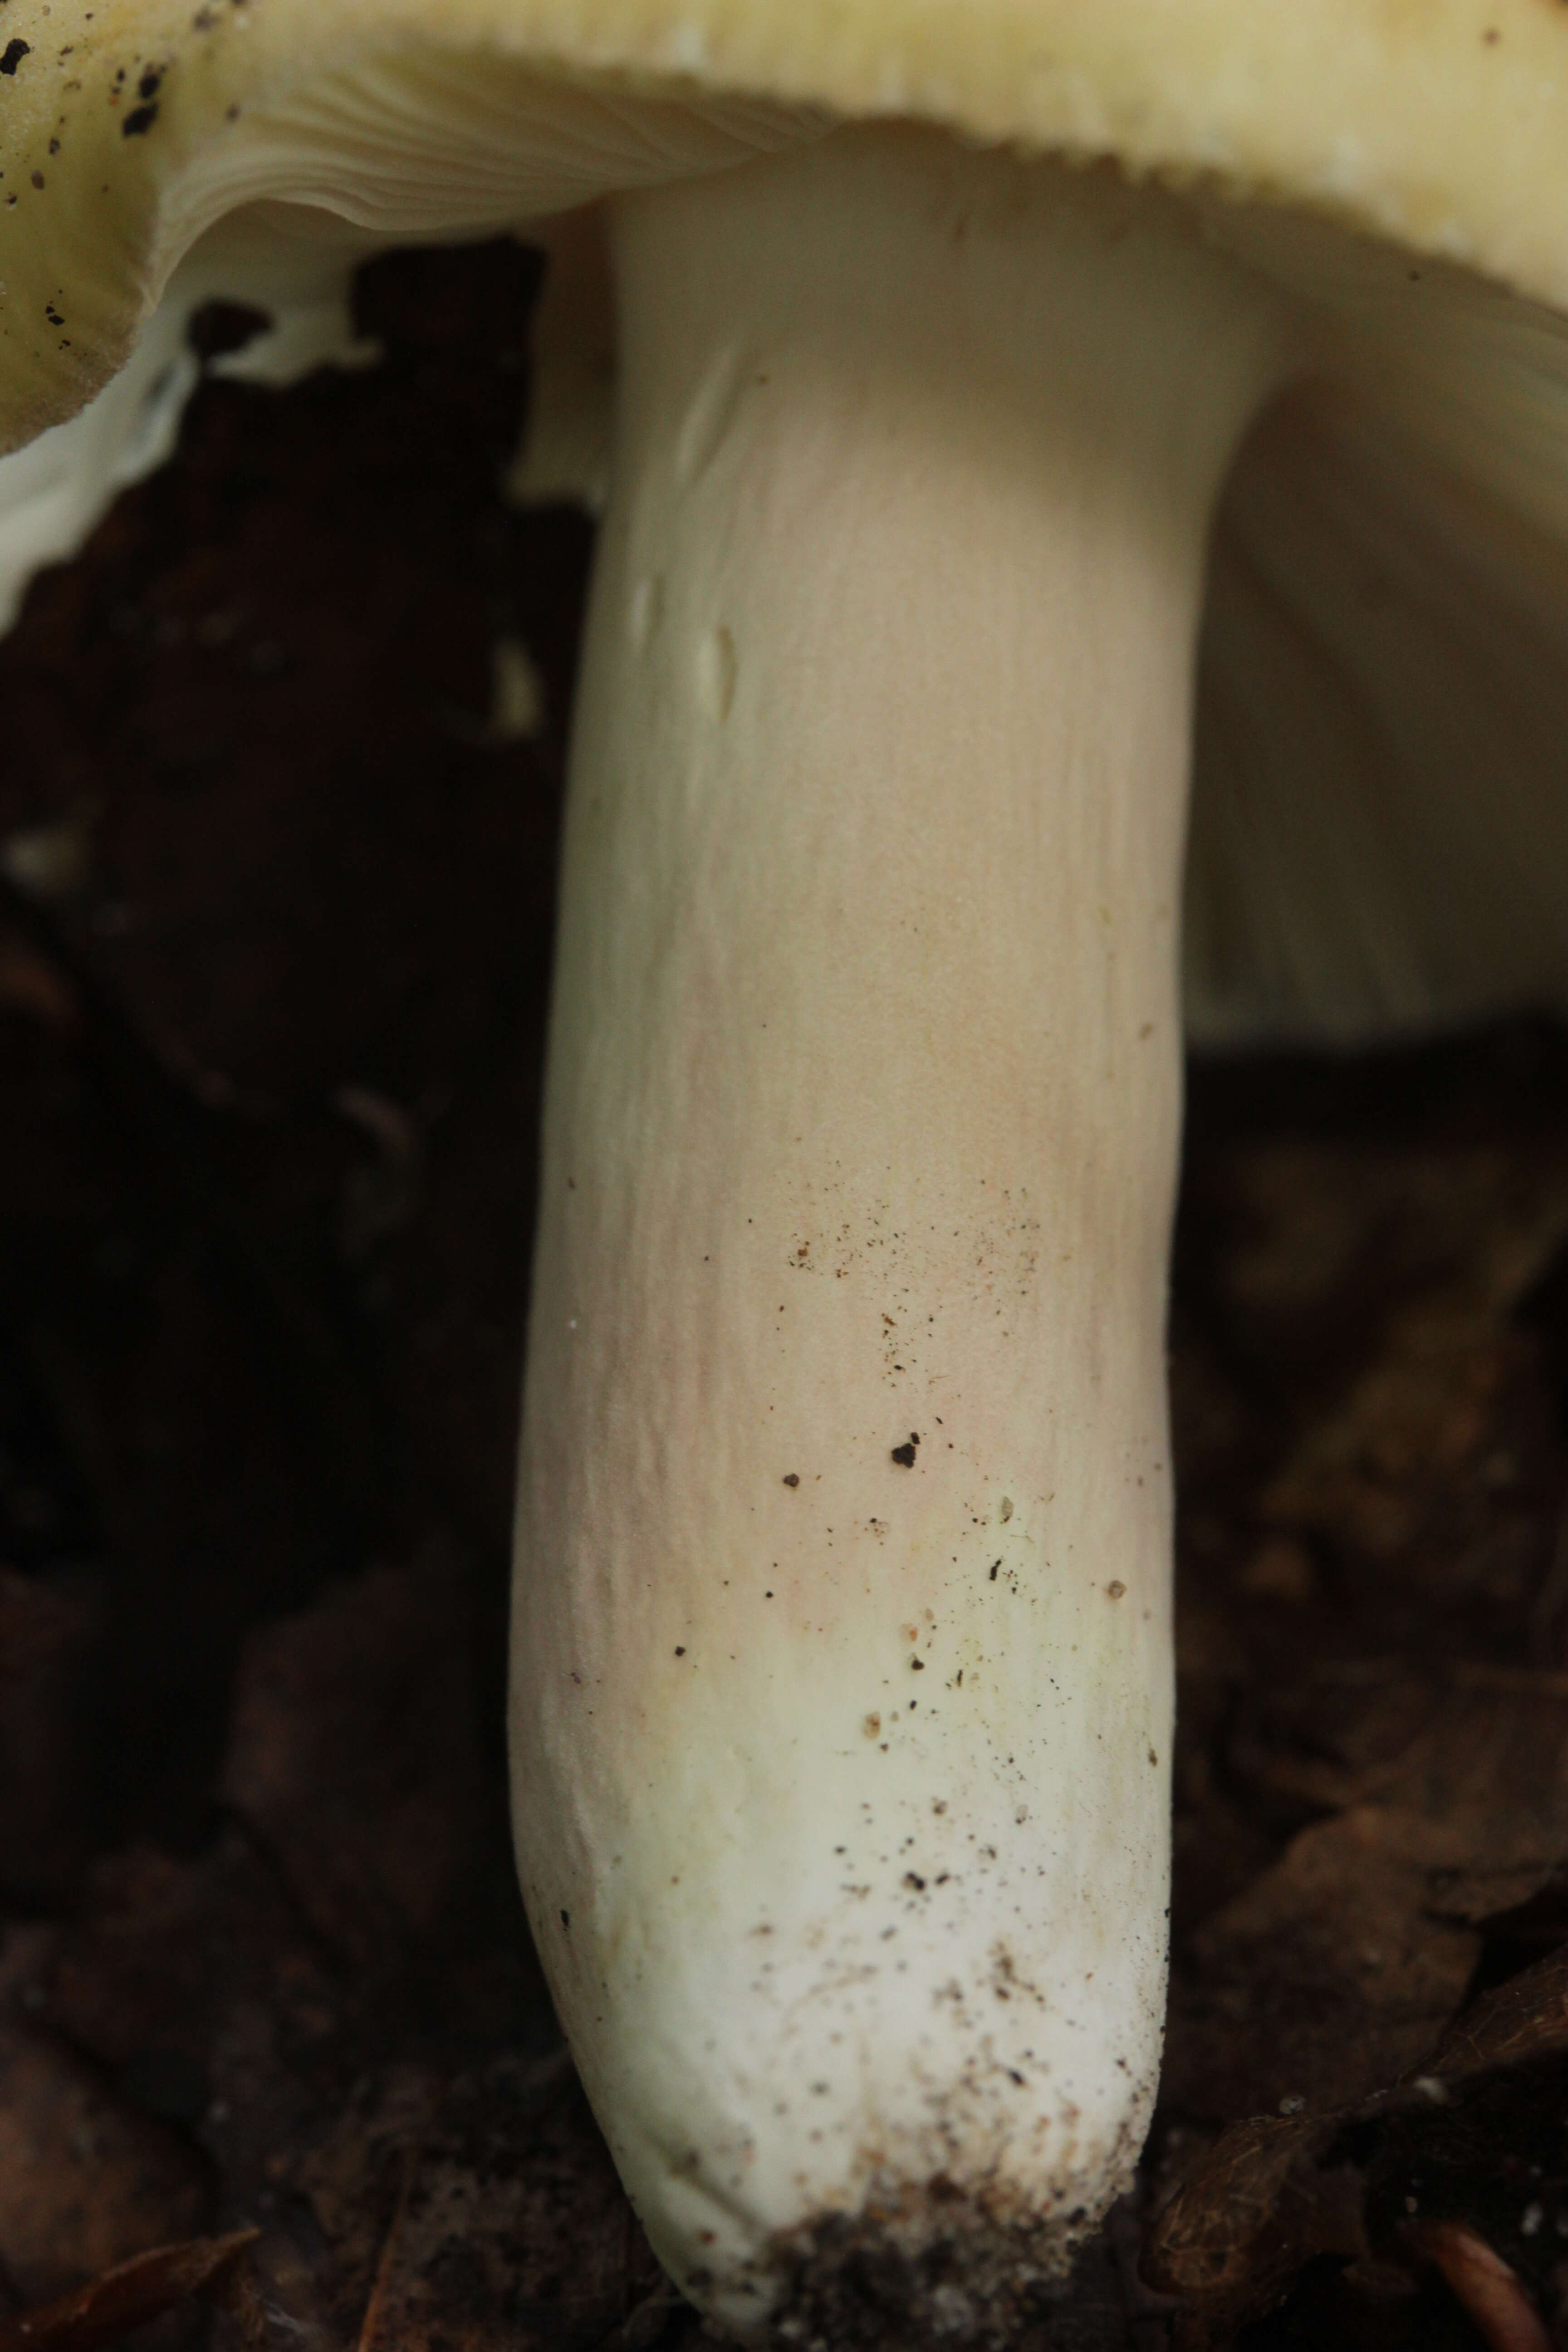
274,958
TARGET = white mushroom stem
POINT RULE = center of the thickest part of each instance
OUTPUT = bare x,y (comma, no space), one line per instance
842,1658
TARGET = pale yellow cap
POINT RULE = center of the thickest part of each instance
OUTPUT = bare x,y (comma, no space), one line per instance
1379,836
1443,125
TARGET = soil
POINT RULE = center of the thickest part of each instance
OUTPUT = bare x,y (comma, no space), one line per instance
275,933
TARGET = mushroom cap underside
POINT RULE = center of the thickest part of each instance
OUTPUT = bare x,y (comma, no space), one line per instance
1380,831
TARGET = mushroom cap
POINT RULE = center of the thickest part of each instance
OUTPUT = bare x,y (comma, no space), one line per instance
1377,837
129,127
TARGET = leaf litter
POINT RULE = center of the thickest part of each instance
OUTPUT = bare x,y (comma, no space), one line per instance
277,2067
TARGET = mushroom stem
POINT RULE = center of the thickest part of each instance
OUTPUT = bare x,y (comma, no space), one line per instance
842,1696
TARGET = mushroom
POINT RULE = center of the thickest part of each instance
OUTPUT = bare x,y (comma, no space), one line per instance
842,1682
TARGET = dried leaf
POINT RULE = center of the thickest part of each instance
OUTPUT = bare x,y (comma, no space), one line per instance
1524,2019
1257,2209
1337,1967
126,2297
1327,1977
485,2213
1478,2124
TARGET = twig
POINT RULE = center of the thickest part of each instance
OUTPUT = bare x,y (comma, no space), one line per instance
373,2309
1491,2295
